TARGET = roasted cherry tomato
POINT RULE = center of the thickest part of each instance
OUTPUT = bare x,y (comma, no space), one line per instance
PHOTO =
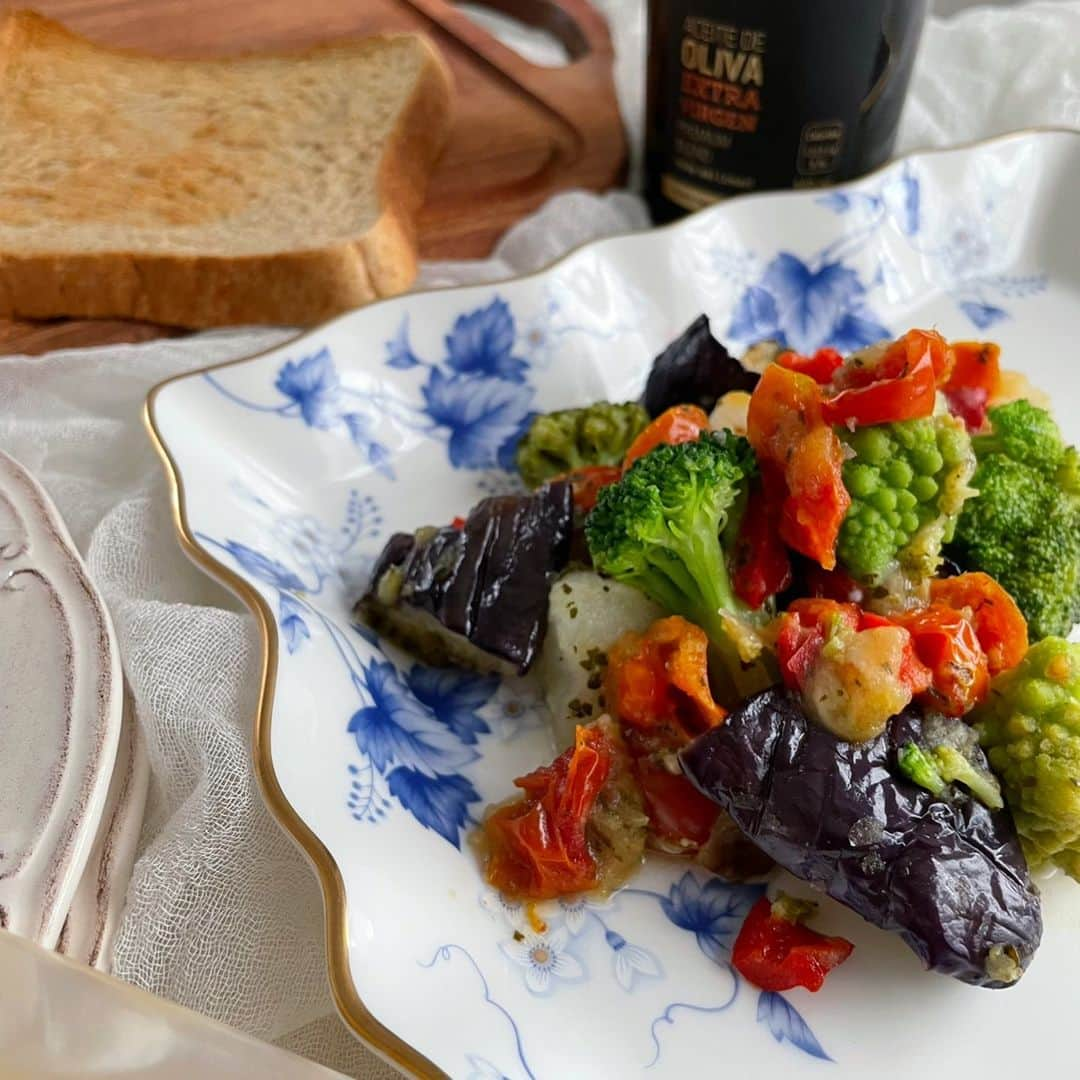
975,379
658,684
998,623
820,367
901,384
801,462
907,396
537,846
761,567
680,423
588,481
897,359
946,643
678,812
775,951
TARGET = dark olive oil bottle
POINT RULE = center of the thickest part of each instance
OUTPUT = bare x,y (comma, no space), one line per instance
752,95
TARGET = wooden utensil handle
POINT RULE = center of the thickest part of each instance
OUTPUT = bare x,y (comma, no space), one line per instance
580,28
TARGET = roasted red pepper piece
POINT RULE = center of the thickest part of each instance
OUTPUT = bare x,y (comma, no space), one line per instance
679,424
761,566
820,367
777,952
801,462
804,629
975,379
537,846
809,623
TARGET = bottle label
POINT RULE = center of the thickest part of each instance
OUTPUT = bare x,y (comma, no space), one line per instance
748,95
721,78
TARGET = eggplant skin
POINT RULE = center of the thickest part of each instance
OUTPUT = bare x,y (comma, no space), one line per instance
949,877
477,595
695,369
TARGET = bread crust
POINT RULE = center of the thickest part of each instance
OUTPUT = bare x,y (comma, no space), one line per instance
295,288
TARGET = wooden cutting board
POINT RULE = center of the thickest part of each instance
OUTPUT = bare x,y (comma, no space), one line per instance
521,132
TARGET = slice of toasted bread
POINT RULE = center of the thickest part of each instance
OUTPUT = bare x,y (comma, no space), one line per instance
264,188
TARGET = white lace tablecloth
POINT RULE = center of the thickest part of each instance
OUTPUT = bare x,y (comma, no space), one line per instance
223,914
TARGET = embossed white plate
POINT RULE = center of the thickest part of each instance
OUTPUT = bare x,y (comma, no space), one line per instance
292,468
60,706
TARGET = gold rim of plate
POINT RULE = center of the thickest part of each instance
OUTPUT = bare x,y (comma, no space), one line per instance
349,1003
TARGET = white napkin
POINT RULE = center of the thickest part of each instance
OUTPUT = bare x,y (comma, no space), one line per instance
223,914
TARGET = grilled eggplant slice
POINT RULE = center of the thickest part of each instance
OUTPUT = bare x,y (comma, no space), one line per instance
948,876
476,596
695,369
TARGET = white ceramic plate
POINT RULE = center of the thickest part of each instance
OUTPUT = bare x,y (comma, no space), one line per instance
60,709
293,467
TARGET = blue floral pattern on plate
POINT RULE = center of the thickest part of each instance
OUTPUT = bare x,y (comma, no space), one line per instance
406,413
830,298
417,732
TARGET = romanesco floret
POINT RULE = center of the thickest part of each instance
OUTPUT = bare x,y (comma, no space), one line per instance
1023,528
559,442
1030,728
908,482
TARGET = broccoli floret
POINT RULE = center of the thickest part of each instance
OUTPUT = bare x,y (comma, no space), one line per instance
1030,727
920,768
1023,432
1023,528
949,754
559,442
908,482
659,527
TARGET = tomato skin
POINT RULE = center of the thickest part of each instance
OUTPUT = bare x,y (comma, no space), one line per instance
801,462
975,379
906,397
587,483
946,643
657,684
900,385
679,424
820,367
998,623
677,811
899,357
776,954
761,567
537,846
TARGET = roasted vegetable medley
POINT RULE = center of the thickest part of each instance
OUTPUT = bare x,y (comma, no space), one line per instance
796,611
